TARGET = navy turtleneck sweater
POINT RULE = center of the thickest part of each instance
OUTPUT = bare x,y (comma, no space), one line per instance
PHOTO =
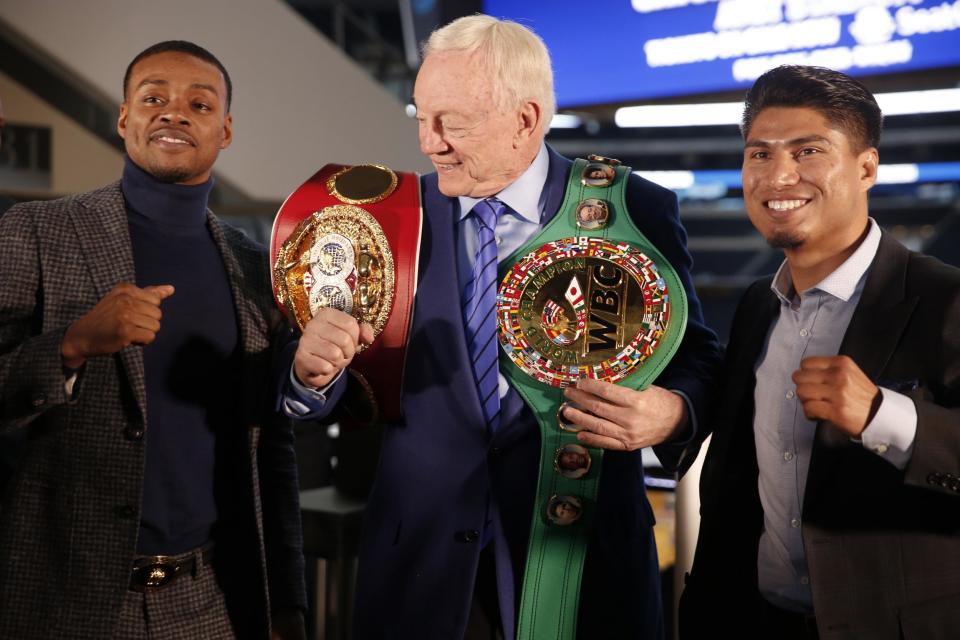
191,368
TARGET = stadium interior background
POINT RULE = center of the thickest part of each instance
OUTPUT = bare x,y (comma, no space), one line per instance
61,106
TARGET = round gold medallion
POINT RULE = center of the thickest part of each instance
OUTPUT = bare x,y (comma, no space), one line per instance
337,257
582,308
362,184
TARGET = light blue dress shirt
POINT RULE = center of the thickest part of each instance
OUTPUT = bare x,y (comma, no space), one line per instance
526,199
810,323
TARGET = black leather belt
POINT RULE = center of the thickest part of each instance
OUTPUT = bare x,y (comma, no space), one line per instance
787,625
153,573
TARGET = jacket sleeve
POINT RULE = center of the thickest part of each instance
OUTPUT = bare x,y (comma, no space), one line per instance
31,369
277,469
935,461
696,363
280,498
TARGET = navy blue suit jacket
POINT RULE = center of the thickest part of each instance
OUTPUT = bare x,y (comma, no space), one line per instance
427,511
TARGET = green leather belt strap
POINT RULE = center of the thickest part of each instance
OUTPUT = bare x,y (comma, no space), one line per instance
567,490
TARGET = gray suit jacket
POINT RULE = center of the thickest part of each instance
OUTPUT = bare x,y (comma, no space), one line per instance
882,545
70,515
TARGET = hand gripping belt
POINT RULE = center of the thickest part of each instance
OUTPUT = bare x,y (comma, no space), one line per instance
349,238
589,296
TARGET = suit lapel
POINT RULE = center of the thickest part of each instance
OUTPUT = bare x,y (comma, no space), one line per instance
761,307
438,320
236,277
250,340
882,314
556,185
872,336
103,233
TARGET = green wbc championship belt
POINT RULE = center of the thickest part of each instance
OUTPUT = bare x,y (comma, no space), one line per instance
588,297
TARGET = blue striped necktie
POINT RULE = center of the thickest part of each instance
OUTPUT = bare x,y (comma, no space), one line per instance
479,311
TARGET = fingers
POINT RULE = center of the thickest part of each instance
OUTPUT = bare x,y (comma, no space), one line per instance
337,352
135,308
589,439
136,312
608,391
162,291
139,335
327,319
597,429
835,389
154,294
591,403
629,419
814,391
328,344
330,341
838,373
366,333
824,365
313,370
818,410
815,363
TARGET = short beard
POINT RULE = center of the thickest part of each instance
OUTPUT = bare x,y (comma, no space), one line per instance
785,240
172,175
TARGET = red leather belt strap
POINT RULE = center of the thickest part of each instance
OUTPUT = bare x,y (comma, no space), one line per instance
380,366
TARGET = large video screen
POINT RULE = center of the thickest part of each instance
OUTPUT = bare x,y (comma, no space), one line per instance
629,50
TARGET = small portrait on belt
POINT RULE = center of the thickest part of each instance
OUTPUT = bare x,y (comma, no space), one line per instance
592,214
572,461
596,174
564,510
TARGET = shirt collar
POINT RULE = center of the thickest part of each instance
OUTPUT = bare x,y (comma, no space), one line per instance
523,194
842,282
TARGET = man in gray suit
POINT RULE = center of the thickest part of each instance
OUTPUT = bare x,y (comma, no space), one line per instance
156,494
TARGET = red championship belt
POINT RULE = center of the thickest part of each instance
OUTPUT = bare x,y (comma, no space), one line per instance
349,238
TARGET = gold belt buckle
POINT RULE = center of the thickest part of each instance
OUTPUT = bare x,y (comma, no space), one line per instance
153,574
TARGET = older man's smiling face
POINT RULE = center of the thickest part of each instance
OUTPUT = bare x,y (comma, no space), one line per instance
476,147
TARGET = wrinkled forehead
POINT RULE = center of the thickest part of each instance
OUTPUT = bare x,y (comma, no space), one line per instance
455,79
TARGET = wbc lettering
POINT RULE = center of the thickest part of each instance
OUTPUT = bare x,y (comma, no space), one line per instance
607,294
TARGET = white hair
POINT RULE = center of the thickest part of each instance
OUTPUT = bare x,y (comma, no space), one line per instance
514,55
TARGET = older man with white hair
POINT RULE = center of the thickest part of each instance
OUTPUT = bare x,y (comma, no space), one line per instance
448,522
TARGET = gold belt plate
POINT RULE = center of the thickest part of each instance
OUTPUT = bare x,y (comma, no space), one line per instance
582,307
337,257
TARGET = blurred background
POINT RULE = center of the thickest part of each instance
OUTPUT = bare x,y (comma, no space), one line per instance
655,83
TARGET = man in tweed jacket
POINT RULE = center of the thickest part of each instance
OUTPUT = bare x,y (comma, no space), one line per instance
107,387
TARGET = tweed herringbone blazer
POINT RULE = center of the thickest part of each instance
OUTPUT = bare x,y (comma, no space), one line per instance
70,515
